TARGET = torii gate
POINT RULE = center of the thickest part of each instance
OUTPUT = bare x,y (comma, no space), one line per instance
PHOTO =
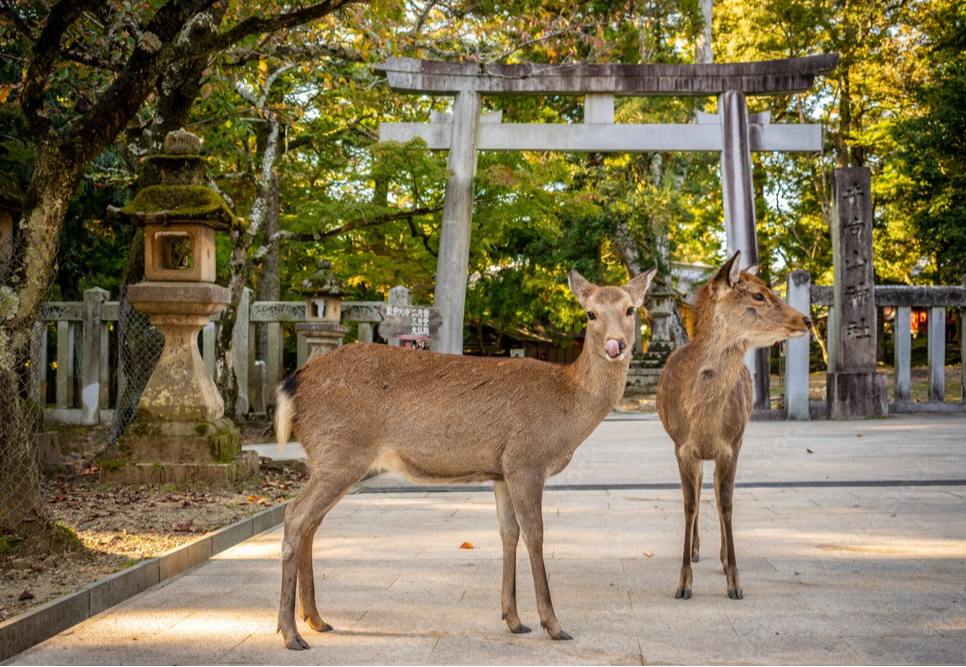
732,132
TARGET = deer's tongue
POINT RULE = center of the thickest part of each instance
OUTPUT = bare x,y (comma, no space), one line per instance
613,348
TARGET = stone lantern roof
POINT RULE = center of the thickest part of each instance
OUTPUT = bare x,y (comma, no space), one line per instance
175,190
323,282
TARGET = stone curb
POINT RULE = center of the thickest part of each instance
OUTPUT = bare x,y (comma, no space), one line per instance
36,625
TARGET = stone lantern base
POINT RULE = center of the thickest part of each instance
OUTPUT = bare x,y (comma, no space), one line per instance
322,336
181,435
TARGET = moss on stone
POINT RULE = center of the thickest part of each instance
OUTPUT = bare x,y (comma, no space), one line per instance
180,202
109,464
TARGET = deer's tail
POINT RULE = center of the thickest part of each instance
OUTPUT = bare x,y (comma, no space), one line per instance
285,409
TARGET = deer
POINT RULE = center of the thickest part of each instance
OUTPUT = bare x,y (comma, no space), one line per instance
444,419
704,397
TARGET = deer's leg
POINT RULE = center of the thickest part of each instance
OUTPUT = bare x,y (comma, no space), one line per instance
510,535
526,493
695,537
724,487
302,517
308,609
691,471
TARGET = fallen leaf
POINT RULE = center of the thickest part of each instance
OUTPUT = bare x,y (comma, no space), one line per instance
809,451
858,435
467,545
648,554
26,595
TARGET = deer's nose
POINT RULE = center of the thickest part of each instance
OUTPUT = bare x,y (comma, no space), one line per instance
808,322
621,344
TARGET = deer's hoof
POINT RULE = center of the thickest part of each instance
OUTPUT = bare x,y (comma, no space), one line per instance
562,636
296,643
695,558
736,594
316,623
520,630
682,594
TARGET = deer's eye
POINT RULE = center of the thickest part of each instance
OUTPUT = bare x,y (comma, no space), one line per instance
591,316
630,311
758,296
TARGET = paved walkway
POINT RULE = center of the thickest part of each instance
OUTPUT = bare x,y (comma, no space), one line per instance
851,538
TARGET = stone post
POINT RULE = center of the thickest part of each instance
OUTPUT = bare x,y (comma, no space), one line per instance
92,335
240,345
853,389
454,235
796,349
902,335
962,348
403,296
937,353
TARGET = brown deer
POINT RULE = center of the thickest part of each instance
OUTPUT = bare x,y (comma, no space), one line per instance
704,398
450,419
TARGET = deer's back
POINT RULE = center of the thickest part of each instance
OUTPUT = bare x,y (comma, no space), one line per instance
434,417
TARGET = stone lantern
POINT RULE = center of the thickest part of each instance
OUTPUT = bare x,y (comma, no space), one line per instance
322,327
181,434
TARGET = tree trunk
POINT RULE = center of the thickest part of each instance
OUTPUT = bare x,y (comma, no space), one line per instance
702,45
240,269
26,289
270,278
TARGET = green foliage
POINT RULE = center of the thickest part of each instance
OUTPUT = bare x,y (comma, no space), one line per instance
931,148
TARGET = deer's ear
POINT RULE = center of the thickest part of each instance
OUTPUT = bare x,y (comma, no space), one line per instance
728,274
753,269
580,287
638,286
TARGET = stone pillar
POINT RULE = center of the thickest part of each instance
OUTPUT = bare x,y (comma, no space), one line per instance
92,336
796,349
853,388
937,353
738,193
962,349
241,345
403,296
454,236
902,342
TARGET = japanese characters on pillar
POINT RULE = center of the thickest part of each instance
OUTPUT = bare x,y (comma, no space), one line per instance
854,389
412,326
852,256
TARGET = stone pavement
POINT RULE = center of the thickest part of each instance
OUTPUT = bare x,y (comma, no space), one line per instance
852,553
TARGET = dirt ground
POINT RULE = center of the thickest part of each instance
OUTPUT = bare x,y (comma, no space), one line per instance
99,528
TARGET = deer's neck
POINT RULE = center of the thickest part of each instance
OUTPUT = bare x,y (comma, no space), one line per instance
598,383
719,362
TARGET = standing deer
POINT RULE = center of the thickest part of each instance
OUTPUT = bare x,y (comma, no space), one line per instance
704,398
450,419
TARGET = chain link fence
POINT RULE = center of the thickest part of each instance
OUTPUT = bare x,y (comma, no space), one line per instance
139,346
21,372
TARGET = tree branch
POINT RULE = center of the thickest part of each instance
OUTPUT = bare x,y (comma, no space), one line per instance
364,222
258,24
45,52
